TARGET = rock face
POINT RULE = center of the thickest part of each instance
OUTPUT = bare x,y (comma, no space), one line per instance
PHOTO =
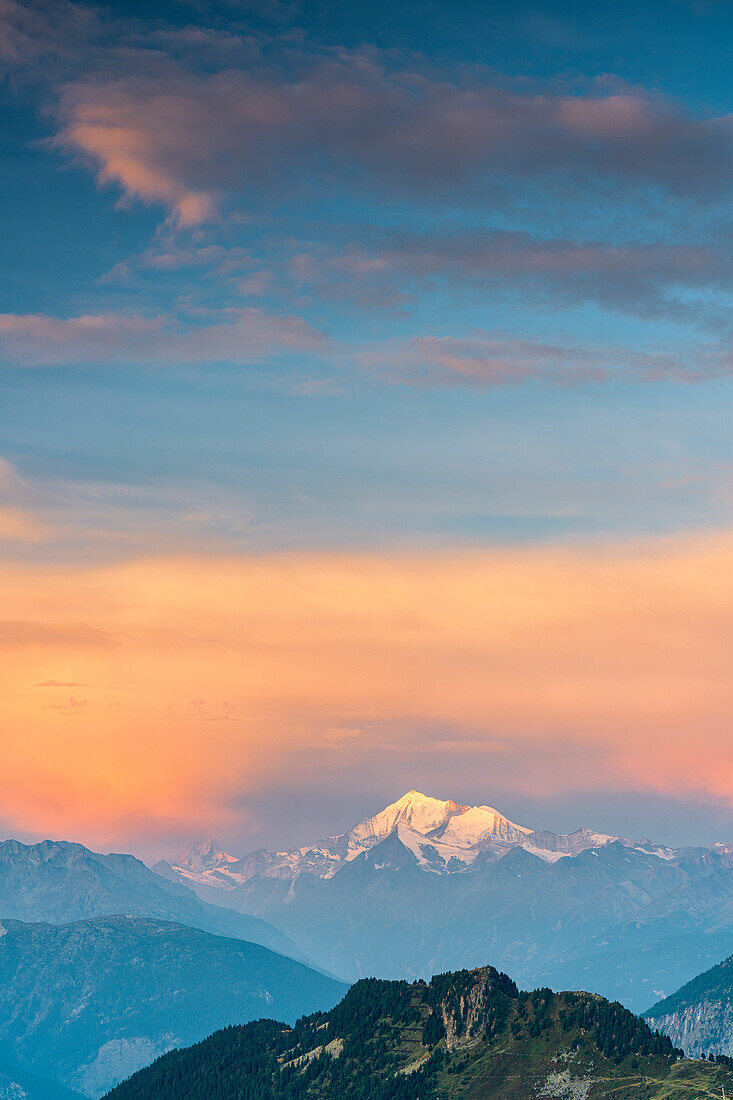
699,1016
470,1034
88,1003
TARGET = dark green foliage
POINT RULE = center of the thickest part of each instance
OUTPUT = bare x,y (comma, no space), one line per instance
433,1030
617,1032
368,1002
251,1063
399,1041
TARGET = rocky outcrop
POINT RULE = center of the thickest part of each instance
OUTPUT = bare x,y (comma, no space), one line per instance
702,1028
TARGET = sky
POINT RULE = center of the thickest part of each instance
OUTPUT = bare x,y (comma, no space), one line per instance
366,382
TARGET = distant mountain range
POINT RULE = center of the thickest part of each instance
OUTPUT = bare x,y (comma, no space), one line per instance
467,1035
88,1003
428,885
444,837
57,881
699,1016
17,1084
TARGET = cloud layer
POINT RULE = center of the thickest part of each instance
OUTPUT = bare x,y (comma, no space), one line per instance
208,680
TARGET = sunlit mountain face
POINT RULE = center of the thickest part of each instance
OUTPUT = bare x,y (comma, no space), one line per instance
442,836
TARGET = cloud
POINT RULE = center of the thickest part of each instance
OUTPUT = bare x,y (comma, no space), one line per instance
646,279
20,526
244,336
239,336
486,359
537,671
183,138
20,514
60,683
31,33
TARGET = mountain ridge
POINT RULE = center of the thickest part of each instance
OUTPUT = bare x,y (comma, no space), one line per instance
452,834
428,885
88,1002
62,881
470,1034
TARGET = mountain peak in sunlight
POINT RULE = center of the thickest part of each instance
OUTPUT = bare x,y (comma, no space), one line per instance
205,855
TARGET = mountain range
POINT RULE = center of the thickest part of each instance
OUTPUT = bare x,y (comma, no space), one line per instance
18,1084
427,885
469,1035
444,837
89,1002
59,881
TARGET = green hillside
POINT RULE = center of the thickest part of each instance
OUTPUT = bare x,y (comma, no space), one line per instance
470,1035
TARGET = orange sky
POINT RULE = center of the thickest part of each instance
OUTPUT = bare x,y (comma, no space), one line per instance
153,696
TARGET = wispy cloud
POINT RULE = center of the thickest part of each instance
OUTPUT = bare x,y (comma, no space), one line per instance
239,336
650,280
60,684
487,359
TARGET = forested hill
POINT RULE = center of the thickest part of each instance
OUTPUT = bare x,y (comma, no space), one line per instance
471,1034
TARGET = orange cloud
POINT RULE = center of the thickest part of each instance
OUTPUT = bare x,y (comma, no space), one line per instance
17,525
212,678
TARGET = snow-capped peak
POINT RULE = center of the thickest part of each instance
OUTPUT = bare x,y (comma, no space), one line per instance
476,824
444,837
204,855
417,810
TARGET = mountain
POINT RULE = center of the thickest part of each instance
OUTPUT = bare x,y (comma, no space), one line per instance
699,1016
88,1003
58,881
444,837
470,1034
16,1084
205,856
428,885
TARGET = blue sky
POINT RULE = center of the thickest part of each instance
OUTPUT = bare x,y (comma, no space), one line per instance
499,331
324,277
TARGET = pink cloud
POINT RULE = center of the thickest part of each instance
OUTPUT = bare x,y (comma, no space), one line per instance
20,519
497,359
238,336
182,138
17,525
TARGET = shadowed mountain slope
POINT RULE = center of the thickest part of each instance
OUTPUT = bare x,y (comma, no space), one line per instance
90,1002
58,881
